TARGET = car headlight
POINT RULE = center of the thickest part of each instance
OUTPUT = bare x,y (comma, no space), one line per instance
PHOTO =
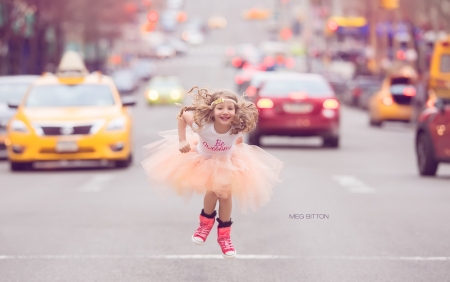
18,126
116,124
153,95
175,94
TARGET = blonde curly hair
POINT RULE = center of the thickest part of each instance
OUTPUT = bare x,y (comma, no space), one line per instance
244,120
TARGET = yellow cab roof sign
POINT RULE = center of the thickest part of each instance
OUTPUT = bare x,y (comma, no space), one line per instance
71,69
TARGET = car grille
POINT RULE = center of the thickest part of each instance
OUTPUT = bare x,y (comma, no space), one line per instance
80,150
60,130
402,100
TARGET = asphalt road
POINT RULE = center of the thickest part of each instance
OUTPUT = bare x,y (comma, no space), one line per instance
367,215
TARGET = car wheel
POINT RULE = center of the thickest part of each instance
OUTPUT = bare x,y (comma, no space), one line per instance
425,156
254,139
331,142
18,166
125,163
375,123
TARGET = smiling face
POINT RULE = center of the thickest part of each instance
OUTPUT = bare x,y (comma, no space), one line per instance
224,112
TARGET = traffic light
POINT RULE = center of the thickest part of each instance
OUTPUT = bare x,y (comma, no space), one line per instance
152,16
389,4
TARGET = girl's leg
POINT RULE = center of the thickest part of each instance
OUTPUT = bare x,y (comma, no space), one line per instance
225,206
209,202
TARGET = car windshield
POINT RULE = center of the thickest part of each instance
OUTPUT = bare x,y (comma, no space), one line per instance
312,87
164,84
445,63
399,89
12,92
70,96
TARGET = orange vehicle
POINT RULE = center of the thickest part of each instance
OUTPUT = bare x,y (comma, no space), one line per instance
439,80
394,100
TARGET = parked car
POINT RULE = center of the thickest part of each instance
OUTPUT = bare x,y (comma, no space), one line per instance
12,90
355,87
125,80
297,106
433,137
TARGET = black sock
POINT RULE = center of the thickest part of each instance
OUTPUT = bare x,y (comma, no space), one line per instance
224,223
213,215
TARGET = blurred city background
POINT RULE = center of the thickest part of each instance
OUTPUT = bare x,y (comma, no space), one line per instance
354,98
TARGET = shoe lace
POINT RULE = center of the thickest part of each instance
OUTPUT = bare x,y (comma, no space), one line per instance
225,243
203,230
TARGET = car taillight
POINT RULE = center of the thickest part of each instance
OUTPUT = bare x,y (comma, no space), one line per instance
357,92
387,101
269,61
238,80
289,63
409,91
264,103
251,91
330,104
236,62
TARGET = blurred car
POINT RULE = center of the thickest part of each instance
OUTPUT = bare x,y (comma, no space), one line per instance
366,95
256,14
297,106
217,22
243,77
433,137
169,20
164,90
72,118
12,90
355,87
165,51
193,36
144,69
393,101
180,47
242,54
336,81
126,81
439,77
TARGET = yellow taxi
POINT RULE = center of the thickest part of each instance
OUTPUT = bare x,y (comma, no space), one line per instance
256,14
71,118
439,80
393,102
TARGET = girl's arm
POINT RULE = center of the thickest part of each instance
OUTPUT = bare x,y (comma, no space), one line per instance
183,121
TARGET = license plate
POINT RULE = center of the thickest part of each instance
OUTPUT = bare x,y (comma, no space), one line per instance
66,146
297,108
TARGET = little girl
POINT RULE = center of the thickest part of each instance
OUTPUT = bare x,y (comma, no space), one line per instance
213,161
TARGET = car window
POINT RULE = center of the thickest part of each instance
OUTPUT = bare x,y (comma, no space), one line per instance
164,84
12,92
313,88
399,89
445,63
70,96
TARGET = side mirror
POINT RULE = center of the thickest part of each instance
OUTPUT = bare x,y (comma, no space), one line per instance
128,101
13,105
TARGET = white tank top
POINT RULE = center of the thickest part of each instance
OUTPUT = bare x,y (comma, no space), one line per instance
213,143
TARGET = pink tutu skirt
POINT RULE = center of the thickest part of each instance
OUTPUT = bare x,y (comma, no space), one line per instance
248,174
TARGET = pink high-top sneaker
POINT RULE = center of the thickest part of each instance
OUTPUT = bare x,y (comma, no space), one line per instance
202,232
224,240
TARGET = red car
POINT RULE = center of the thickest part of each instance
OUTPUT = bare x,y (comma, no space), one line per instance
433,137
297,106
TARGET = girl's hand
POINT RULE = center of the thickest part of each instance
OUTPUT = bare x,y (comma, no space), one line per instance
184,147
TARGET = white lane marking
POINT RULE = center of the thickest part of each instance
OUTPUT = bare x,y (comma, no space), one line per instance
256,257
353,184
96,183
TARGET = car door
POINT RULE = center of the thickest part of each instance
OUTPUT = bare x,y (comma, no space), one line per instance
440,132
